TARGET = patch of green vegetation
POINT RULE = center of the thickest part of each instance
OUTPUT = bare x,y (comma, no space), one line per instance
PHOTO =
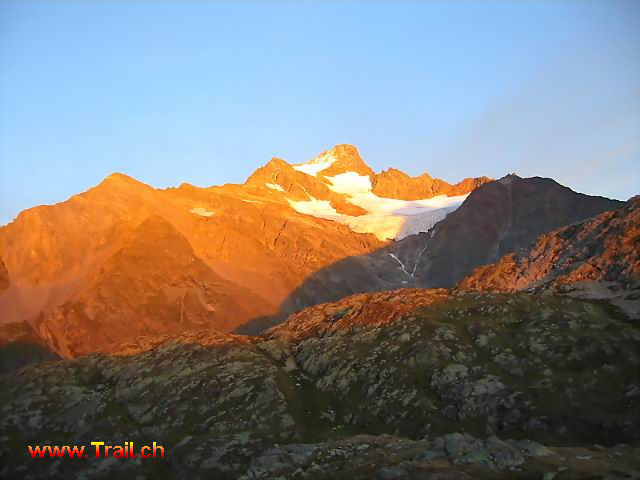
117,410
306,404
90,377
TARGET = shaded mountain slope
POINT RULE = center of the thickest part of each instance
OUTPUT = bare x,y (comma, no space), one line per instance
498,218
603,249
486,225
21,345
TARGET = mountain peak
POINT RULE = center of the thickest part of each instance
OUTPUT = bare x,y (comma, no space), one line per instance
277,161
119,185
120,181
118,177
344,150
339,159
509,178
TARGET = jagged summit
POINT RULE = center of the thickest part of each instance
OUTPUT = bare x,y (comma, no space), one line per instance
338,185
509,178
335,161
394,183
342,168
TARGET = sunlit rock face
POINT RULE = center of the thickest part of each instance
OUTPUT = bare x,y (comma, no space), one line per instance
125,259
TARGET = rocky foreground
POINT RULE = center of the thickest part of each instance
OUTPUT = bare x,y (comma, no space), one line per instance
392,385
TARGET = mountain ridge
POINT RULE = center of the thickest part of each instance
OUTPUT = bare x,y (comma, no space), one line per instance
269,242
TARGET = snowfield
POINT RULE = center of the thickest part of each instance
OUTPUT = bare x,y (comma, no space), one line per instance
317,208
350,183
383,226
387,217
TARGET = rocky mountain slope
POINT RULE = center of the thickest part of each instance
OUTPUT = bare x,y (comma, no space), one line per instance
124,259
484,224
157,277
390,385
496,219
55,255
605,248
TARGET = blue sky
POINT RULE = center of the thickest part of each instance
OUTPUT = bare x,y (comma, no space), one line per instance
206,91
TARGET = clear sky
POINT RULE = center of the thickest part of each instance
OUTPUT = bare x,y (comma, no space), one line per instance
206,91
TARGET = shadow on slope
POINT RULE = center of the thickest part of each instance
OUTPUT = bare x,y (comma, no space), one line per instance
20,345
377,271
14,355
496,219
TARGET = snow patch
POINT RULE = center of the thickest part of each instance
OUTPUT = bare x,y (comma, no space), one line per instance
382,225
317,208
396,226
358,190
274,186
315,166
203,212
392,206
350,183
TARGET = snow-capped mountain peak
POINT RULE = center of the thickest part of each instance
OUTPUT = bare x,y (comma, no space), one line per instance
338,185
